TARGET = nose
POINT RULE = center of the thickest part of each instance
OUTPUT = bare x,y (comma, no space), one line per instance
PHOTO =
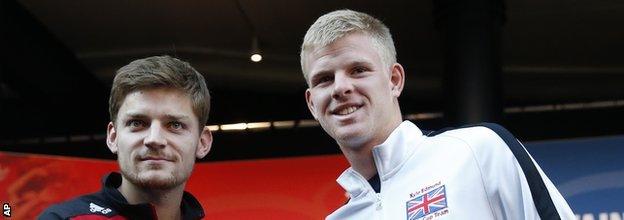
343,86
155,137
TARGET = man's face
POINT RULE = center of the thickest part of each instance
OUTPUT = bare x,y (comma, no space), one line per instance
156,138
351,93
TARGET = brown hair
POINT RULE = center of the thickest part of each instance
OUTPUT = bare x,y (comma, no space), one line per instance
160,72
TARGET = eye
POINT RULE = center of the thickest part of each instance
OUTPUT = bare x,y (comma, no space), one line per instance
359,69
322,79
134,123
176,125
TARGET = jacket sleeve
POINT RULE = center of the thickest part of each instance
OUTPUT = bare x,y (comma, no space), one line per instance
517,187
49,214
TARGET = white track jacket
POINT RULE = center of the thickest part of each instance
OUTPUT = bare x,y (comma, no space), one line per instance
479,172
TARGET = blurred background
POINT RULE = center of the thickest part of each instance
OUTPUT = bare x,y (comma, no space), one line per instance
552,72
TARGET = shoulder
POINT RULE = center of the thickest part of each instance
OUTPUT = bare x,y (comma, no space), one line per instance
486,143
65,209
82,205
483,136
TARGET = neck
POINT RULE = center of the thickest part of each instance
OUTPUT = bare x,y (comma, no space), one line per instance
360,155
362,162
166,202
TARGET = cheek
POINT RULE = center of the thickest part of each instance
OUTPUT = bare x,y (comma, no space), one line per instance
317,103
128,140
125,152
126,145
381,91
125,158
321,100
186,148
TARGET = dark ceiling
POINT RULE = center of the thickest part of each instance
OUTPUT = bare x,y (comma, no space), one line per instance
59,58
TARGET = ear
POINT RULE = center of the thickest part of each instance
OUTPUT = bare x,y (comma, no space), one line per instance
205,143
310,103
397,79
111,137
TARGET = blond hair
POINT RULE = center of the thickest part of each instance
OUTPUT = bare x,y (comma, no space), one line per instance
337,24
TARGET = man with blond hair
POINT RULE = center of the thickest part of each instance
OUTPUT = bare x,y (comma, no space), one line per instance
158,109
397,171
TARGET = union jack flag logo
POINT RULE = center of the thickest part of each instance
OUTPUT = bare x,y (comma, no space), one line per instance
426,204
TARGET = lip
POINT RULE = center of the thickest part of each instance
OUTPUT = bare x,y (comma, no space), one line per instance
341,107
154,158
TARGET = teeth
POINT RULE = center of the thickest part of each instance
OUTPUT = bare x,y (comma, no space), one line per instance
347,110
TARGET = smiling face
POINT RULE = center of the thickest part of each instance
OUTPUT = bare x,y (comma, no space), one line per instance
351,93
156,138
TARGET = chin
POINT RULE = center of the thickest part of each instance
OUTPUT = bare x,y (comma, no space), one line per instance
151,179
352,138
353,128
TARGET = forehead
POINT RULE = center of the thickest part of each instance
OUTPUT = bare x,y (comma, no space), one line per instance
156,103
355,47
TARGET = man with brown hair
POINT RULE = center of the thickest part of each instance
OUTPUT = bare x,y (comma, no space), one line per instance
158,108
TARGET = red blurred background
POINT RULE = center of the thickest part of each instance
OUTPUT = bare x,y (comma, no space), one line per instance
292,188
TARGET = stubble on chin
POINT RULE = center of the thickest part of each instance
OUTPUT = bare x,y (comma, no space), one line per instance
150,181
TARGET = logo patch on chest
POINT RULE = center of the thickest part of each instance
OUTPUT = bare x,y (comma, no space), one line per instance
96,208
427,203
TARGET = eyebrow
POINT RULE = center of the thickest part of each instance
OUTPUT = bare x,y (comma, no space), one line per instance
135,115
169,117
350,64
320,74
360,63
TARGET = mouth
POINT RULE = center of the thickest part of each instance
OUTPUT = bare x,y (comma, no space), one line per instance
155,158
346,109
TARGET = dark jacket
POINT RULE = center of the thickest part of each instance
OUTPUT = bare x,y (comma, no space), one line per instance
108,203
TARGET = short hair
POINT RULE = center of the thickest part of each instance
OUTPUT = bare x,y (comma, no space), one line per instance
160,72
337,24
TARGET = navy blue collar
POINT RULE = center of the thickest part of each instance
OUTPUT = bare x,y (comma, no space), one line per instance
191,208
375,182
